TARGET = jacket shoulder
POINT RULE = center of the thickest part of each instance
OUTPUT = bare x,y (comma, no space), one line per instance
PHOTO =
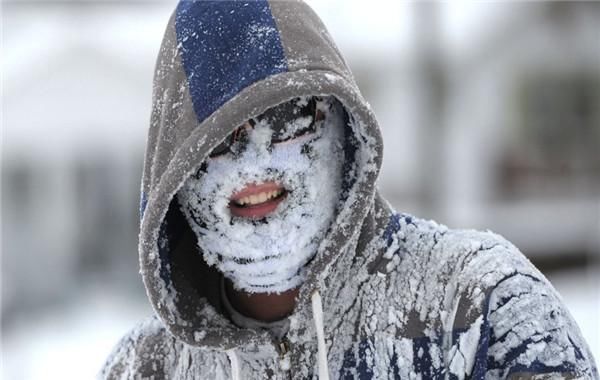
503,316
521,324
144,352
445,256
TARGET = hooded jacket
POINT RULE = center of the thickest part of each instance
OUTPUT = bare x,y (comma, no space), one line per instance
387,295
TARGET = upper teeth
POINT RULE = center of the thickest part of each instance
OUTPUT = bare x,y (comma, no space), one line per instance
258,198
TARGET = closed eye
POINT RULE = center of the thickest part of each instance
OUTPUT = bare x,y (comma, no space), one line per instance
281,136
278,138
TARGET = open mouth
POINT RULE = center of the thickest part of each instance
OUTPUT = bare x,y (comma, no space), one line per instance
257,201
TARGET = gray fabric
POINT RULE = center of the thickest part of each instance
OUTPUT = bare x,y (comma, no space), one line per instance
306,41
397,291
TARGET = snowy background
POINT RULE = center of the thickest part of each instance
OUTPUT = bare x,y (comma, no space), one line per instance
490,114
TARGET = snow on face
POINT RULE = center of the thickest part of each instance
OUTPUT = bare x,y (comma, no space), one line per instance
269,254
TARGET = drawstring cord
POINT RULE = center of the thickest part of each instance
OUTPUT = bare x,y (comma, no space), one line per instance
235,365
317,309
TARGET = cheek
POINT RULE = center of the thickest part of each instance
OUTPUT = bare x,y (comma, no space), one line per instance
322,149
220,171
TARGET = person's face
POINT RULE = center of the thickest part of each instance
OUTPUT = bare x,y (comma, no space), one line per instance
294,124
263,201
257,200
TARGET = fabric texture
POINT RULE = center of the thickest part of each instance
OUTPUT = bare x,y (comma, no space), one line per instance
387,295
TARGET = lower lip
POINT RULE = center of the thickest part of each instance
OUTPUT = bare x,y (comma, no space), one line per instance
256,211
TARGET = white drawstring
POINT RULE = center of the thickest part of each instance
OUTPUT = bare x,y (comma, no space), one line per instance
235,364
317,309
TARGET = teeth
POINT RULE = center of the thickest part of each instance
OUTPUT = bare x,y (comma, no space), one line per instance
258,198
262,197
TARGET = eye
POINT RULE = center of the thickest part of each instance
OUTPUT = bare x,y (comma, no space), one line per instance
239,135
221,149
241,132
281,133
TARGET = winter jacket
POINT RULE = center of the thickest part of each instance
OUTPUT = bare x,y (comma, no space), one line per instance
387,295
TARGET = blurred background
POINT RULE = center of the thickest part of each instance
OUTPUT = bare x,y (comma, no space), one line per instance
490,113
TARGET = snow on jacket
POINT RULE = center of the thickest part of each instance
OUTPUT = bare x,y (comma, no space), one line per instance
387,295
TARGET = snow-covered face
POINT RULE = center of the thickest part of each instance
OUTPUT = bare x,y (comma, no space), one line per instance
261,209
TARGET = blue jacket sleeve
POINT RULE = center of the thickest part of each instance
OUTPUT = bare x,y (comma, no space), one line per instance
528,333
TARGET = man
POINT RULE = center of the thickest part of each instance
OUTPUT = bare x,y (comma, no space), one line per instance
266,250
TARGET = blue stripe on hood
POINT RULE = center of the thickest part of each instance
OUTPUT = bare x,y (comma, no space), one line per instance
226,46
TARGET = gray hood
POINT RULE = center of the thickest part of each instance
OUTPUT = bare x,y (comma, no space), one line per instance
220,63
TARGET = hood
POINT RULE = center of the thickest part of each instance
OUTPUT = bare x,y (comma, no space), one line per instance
221,63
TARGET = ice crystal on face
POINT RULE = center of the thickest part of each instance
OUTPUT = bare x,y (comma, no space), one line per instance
269,254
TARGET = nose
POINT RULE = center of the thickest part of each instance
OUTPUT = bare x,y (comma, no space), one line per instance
257,137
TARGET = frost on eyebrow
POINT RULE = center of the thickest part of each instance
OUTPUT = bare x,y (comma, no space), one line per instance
293,126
